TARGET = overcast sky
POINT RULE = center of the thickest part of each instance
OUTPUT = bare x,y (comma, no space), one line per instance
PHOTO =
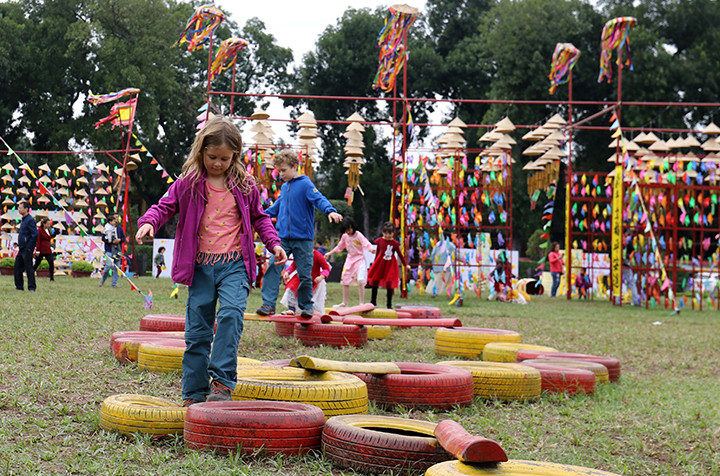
295,24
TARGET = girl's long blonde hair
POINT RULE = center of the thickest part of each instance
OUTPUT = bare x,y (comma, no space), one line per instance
218,131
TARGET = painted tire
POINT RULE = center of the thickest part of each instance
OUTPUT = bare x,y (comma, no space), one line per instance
611,363
469,342
130,414
556,379
249,427
513,468
379,444
284,329
335,335
421,386
277,363
381,314
124,344
335,393
507,352
161,356
162,322
502,381
378,332
422,312
600,371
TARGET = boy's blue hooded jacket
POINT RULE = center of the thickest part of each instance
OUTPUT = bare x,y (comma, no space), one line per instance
295,209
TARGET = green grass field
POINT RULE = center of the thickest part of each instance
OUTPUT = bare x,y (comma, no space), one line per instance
662,418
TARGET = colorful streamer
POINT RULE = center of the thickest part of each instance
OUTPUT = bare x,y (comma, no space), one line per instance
393,52
563,61
615,37
201,26
96,99
228,49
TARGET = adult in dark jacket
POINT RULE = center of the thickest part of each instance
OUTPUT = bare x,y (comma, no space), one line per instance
27,237
43,248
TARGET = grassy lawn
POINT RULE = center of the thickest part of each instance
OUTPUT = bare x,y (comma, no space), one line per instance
662,418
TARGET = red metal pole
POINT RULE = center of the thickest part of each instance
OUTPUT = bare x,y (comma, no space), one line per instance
568,179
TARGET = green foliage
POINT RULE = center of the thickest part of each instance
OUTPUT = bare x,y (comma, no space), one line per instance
7,263
82,266
533,245
43,265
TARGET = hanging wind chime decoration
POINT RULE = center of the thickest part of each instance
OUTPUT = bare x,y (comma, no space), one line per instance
354,156
563,61
391,41
615,37
307,135
201,26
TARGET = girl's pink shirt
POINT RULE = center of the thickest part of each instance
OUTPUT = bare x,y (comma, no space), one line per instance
220,225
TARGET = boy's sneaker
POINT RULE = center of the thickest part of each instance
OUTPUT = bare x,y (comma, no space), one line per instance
265,310
219,393
190,401
342,304
305,314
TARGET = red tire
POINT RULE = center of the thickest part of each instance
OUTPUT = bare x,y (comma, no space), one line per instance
162,322
284,329
421,386
422,312
556,379
124,345
612,364
379,444
336,335
246,427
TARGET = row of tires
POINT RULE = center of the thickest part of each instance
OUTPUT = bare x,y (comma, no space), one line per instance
364,443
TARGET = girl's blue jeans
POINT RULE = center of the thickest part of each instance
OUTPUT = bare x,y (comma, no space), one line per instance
302,251
555,283
205,358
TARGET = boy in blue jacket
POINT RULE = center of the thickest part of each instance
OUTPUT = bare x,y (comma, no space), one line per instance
295,213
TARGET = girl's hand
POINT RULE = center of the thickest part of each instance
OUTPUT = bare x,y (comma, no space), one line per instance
319,279
335,217
408,268
280,256
146,229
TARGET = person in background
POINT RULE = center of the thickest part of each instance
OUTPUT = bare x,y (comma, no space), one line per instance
320,272
159,261
582,283
112,237
556,267
43,248
27,237
355,267
384,270
319,245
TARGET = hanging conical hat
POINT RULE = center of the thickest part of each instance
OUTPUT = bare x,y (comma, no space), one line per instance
41,213
99,228
615,158
355,143
259,114
8,201
82,180
261,138
27,167
8,167
532,135
532,166
631,146
552,125
7,191
671,143
711,129
22,191
130,165
356,126
83,168
309,143
45,168
62,182
307,133
353,135
102,179
62,203
100,191
101,203
258,127
490,136
691,141
99,215
43,199
642,151
306,118
44,179
659,146
533,150
7,226
81,193
59,226
711,145
24,180
355,117
80,203
556,135
457,122
557,119
64,168
80,215
642,139
102,168
504,126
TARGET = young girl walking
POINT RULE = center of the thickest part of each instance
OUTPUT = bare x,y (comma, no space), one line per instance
219,207
355,268
384,270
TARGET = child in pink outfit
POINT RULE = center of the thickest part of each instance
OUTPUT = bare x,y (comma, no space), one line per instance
355,268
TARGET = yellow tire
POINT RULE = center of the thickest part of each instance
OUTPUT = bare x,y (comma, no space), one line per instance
507,352
513,468
130,414
378,332
601,372
163,357
380,314
502,380
469,342
336,393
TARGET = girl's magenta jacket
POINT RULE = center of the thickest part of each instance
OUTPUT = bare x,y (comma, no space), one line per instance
188,202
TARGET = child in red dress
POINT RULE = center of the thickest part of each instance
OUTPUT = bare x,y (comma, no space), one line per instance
384,270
